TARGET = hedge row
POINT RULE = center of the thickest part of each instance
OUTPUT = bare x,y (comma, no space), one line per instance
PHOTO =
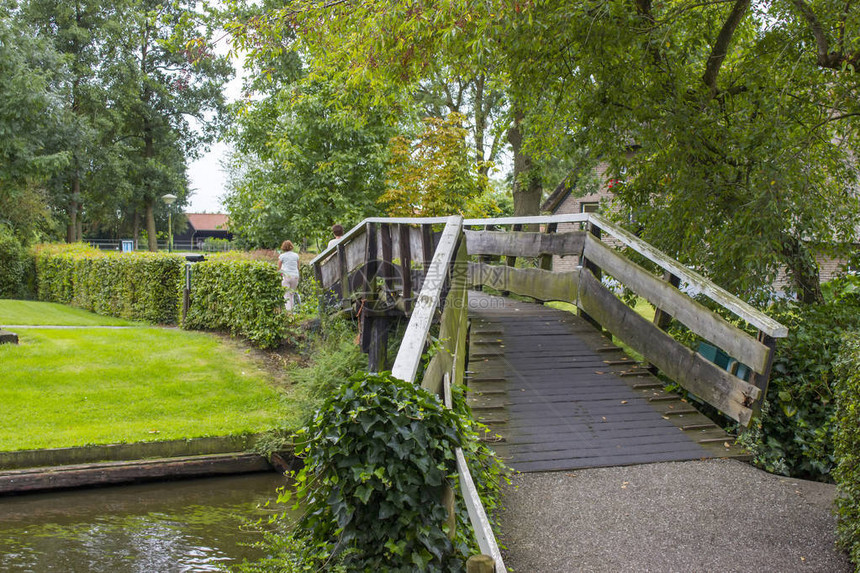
794,434
847,438
15,262
135,286
239,296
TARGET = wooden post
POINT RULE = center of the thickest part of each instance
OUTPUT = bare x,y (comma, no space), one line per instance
406,266
662,318
377,347
387,256
511,261
595,270
762,380
371,264
480,564
546,259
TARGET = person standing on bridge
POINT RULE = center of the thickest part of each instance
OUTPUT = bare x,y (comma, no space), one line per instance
337,231
288,266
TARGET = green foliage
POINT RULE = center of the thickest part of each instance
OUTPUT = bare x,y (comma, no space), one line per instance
135,286
304,164
242,297
378,456
433,175
794,435
334,356
15,265
847,471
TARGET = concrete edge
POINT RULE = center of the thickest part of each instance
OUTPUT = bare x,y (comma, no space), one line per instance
126,452
33,480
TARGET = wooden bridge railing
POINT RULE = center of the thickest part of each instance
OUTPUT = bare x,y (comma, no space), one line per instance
736,397
382,251
445,288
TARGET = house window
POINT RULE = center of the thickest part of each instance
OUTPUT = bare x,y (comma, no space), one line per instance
589,207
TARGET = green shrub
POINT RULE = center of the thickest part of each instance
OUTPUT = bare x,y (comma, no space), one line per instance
794,434
14,265
136,286
239,296
847,438
378,455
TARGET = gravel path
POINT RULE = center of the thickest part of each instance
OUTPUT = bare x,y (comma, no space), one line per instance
715,515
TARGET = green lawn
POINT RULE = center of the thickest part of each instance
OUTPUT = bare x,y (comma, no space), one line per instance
48,313
73,387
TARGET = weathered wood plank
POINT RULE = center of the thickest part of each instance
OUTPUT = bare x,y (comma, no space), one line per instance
477,515
524,244
412,347
405,248
695,316
719,295
529,220
536,283
704,379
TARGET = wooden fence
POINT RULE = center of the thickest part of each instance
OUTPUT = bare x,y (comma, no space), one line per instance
739,398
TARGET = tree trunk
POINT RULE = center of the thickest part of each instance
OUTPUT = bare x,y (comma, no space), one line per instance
480,127
527,182
150,225
803,271
135,227
71,230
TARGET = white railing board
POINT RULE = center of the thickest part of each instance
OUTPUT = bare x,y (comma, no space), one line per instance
477,515
717,294
530,220
412,347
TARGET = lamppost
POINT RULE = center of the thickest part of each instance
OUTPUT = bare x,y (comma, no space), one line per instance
168,200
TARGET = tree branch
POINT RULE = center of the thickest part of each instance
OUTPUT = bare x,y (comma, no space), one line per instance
721,46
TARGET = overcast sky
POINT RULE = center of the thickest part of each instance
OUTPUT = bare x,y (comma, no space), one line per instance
207,179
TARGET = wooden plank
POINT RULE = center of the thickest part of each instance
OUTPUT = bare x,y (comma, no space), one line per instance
536,283
477,515
695,316
343,271
719,295
530,220
524,244
412,347
427,246
405,248
355,250
546,259
386,269
714,385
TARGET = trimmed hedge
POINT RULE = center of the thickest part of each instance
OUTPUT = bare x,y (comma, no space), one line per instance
14,265
239,296
134,286
847,438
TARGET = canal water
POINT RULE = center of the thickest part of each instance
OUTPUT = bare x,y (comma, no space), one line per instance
164,527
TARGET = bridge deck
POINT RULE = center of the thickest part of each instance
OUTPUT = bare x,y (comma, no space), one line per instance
563,397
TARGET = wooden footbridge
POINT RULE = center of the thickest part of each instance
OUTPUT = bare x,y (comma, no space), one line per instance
554,390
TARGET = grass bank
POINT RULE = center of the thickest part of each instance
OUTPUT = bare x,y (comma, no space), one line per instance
74,387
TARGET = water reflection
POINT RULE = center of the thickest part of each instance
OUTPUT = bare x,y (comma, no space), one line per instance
180,526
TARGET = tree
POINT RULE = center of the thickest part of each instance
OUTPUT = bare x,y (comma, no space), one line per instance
304,164
744,115
165,87
28,114
430,174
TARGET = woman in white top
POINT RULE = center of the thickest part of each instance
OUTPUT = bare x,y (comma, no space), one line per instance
288,266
